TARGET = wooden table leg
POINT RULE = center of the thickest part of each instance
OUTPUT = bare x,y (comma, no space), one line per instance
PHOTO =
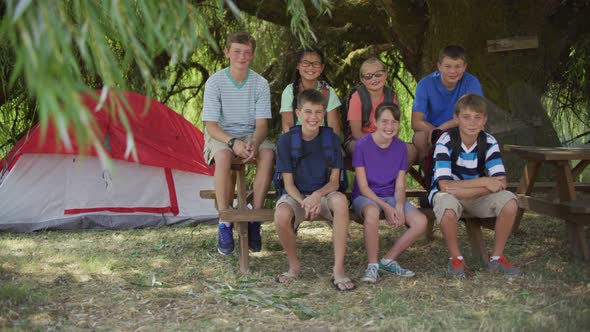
565,181
567,192
526,186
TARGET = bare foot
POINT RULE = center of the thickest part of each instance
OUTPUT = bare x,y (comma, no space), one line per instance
287,278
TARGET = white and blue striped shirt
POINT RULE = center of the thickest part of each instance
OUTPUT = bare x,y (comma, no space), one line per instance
236,106
466,164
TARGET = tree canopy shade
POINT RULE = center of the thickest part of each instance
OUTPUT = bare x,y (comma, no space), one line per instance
53,50
414,31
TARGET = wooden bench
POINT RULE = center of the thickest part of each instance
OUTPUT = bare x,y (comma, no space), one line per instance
575,213
243,214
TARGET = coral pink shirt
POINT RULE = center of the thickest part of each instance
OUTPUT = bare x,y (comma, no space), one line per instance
355,111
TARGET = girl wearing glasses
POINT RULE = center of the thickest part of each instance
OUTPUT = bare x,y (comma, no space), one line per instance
310,65
373,76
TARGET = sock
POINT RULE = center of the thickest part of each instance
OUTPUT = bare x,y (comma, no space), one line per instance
386,261
458,257
494,258
227,224
374,265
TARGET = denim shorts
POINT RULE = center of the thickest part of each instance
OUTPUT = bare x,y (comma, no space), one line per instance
359,203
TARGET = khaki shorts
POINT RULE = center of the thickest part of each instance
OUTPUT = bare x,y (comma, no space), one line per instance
486,206
212,146
299,212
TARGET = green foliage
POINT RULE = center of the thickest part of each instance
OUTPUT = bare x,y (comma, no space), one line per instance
568,96
57,44
53,50
300,24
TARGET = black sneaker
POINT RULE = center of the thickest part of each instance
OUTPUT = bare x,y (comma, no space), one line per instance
225,239
254,239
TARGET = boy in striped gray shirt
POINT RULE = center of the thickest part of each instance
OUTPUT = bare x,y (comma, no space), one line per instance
236,109
460,184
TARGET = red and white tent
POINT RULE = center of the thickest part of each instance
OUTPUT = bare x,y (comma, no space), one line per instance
43,185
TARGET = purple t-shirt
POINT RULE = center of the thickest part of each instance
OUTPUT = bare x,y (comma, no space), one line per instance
382,165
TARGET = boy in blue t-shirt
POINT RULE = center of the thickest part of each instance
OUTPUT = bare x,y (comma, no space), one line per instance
458,186
311,189
437,94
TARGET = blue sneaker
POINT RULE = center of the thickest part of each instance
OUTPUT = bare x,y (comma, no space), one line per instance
394,268
254,239
225,239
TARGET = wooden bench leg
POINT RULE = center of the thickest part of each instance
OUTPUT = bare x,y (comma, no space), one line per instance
244,250
478,246
583,244
430,229
577,237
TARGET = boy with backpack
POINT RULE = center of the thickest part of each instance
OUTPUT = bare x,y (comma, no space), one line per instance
460,184
236,109
307,180
436,96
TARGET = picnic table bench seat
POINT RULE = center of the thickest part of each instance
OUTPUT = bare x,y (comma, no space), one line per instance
243,214
575,213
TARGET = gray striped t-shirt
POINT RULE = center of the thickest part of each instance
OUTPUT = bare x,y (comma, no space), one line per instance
236,106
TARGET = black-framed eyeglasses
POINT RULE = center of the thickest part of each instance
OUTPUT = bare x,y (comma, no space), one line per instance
315,64
378,73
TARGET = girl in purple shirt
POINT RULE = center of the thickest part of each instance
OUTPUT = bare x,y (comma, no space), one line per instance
380,162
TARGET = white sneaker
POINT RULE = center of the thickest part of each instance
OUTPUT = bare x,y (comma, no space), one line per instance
371,274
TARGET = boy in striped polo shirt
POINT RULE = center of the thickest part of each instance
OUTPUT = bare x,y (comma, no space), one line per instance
458,185
236,109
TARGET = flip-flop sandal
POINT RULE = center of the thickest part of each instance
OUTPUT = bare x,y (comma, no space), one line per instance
341,281
288,278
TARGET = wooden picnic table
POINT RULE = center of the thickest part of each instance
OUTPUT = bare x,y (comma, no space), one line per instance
242,214
576,212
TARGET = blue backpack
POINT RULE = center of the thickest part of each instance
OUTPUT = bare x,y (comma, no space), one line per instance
329,149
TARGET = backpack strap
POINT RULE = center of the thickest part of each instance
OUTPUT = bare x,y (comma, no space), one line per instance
366,103
455,146
296,89
296,142
328,146
482,144
389,93
325,89
329,149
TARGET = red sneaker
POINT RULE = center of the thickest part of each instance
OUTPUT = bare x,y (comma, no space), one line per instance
502,265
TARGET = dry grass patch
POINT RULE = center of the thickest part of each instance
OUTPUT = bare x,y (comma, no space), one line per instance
173,279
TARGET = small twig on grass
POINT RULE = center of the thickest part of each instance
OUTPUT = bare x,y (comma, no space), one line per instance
283,303
154,284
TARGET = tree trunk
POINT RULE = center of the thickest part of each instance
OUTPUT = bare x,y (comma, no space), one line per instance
513,81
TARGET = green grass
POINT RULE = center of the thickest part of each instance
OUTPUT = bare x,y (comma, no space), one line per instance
173,279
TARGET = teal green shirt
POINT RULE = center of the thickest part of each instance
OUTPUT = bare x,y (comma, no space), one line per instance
287,99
